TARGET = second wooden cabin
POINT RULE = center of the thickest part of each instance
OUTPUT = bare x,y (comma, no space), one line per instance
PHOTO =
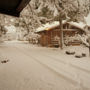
50,35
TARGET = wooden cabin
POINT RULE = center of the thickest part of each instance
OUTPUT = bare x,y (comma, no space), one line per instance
50,36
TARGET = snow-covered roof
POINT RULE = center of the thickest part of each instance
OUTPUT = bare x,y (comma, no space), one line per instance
48,25
56,23
79,25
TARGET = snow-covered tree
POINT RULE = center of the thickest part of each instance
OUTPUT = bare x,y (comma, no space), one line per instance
2,24
70,10
39,12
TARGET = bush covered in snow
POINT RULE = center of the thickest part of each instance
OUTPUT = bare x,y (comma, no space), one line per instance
68,39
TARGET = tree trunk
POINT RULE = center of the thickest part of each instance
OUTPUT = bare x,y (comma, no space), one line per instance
26,25
61,34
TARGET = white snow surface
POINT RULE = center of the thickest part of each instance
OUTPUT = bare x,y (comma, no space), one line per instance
11,29
32,67
80,24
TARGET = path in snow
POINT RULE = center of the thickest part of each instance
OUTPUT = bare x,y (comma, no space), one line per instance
37,68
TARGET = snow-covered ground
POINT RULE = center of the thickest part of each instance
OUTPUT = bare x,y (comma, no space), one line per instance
33,67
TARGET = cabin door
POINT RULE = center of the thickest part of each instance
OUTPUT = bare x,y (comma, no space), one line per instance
55,38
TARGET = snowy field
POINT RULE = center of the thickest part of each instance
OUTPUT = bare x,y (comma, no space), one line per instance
32,67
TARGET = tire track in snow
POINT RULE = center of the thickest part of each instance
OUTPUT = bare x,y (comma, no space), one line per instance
20,53
54,69
72,80
67,62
